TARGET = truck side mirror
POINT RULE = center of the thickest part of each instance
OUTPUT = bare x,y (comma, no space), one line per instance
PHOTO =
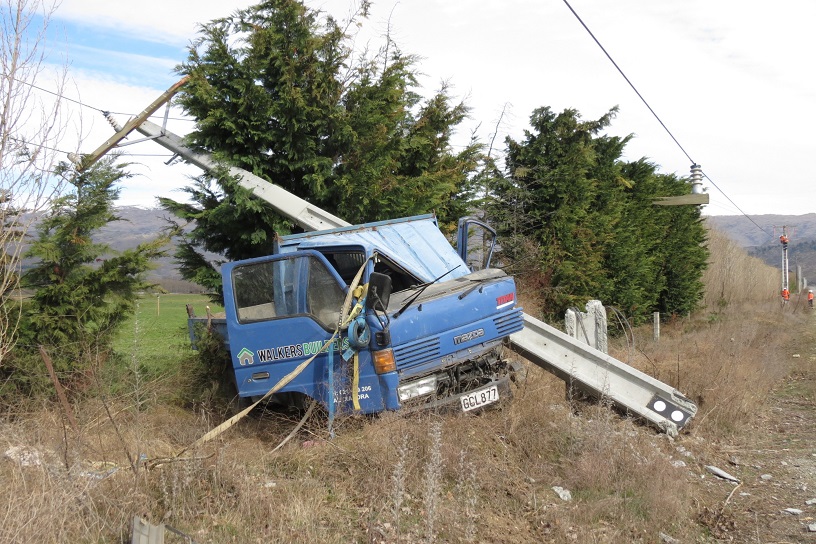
379,291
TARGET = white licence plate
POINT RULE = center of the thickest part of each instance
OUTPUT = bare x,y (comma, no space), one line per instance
479,398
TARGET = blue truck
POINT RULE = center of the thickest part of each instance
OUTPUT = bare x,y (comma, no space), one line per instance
427,328
429,332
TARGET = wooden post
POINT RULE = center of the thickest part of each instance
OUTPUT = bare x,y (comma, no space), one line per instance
656,316
60,392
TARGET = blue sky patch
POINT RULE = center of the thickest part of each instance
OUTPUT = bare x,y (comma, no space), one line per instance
114,54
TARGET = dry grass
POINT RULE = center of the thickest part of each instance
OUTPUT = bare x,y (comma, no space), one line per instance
734,277
726,362
430,477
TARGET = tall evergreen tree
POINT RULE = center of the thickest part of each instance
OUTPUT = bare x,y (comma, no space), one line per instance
682,254
82,289
632,259
399,162
550,188
274,90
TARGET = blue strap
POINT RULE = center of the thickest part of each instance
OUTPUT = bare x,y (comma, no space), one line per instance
330,400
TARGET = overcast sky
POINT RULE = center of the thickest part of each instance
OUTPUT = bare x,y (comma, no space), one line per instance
732,80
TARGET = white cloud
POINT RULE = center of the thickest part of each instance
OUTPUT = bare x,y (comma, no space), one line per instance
123,66
162,21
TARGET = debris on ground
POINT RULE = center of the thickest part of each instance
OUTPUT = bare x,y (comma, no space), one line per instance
563,494
24,456
720,473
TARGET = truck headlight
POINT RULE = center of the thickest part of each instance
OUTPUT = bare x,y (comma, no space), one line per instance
417,388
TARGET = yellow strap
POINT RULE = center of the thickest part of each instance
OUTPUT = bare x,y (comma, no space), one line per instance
359,293
355,283
355,384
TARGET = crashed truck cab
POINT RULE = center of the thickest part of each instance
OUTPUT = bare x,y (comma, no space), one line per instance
430,333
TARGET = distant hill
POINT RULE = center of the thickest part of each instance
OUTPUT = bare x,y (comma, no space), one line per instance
759,234
139,225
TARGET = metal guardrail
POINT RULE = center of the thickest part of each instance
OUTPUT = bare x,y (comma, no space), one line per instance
602,376
144,532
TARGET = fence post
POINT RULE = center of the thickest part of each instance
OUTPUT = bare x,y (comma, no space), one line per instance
656,317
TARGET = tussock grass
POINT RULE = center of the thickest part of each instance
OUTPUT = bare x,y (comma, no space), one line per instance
727,365
734,277
429,477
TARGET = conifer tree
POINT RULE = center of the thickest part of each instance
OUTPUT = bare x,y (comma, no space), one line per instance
28,149
551,190
82,289
571,210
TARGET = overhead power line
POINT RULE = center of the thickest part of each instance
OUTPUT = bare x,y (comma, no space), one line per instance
43,146
737,207
629,82
84,105
32,144
662,124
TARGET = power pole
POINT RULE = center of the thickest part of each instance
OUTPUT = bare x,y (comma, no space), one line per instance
783,239
698,196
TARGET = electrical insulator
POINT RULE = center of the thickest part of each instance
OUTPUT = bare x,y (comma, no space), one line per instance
116,126
696,179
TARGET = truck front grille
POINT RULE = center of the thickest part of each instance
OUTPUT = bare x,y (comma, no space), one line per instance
509,323
416,353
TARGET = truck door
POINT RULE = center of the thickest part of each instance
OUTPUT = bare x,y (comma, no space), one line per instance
475,241
280,311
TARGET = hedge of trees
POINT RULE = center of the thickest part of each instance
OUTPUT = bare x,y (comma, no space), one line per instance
575,216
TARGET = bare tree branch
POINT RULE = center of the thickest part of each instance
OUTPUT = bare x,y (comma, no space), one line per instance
32,126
